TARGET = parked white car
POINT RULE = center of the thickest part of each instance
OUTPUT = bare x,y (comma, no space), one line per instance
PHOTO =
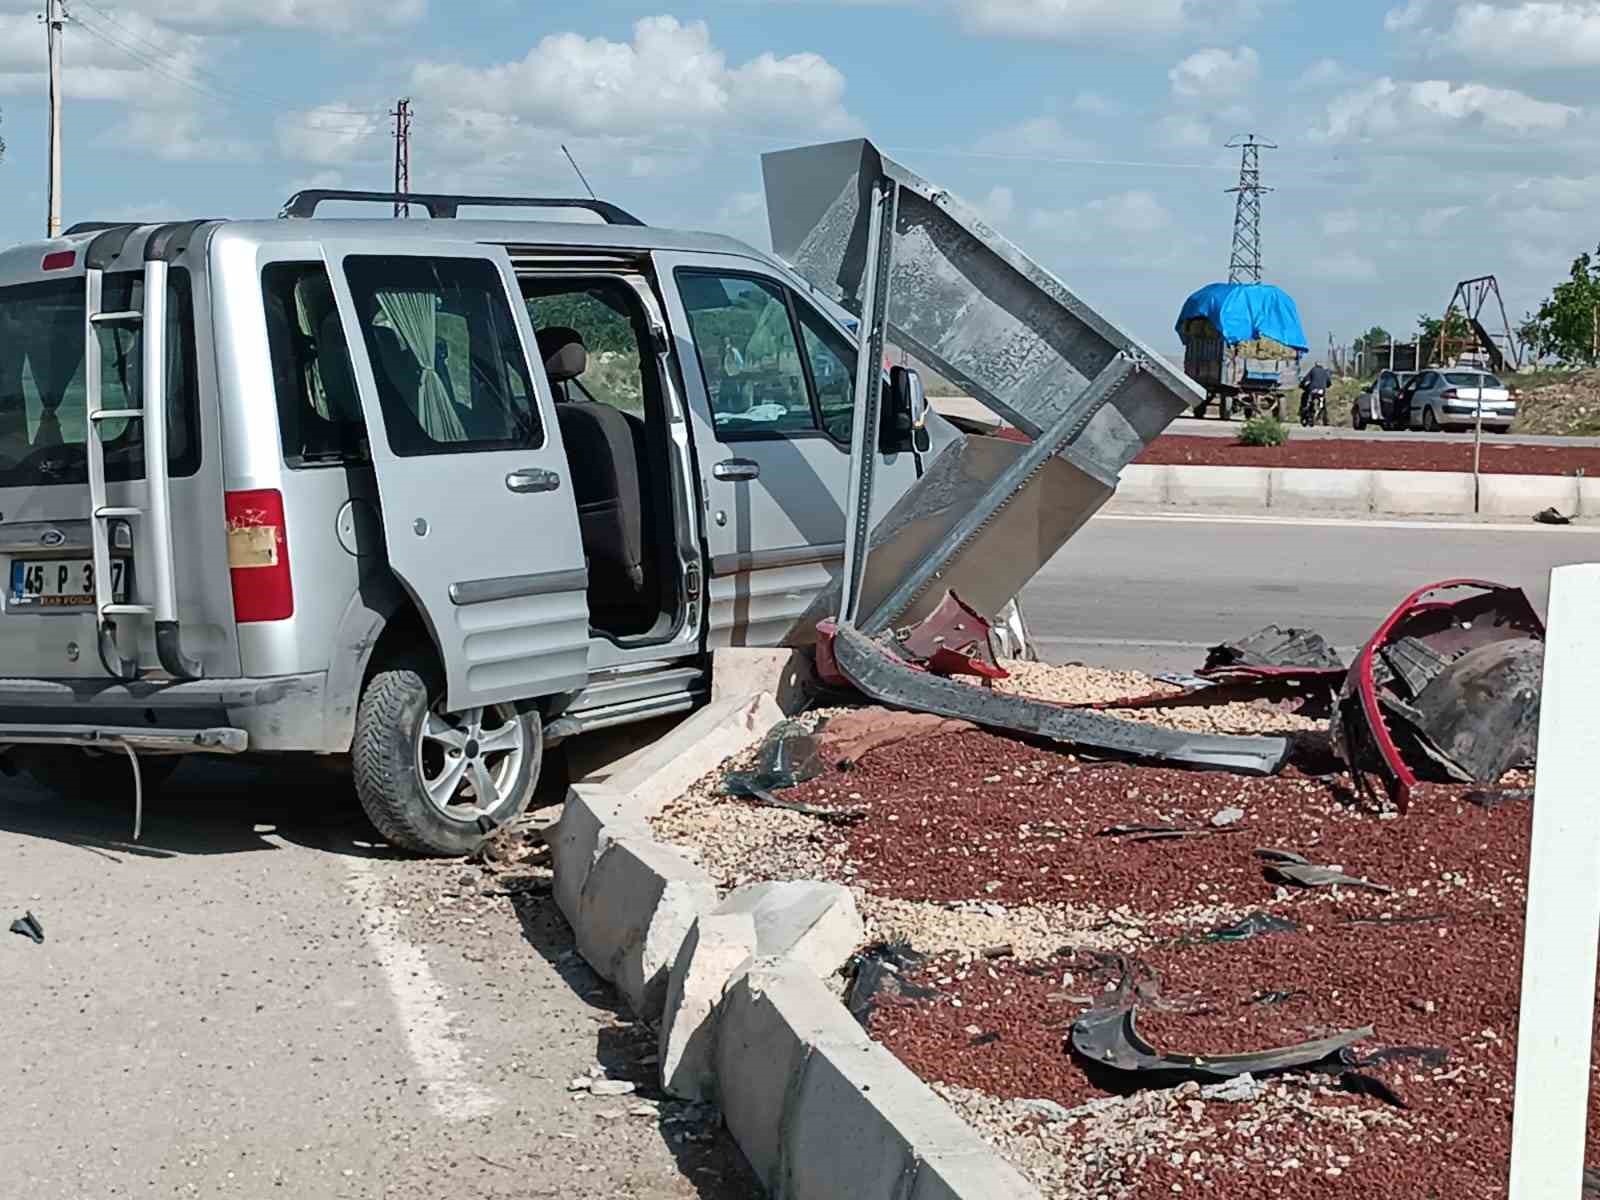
1451,397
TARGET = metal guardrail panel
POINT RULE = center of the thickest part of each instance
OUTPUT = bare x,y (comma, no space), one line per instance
965,299
988,513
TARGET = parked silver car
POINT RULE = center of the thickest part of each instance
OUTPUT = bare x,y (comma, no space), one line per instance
1451,398
1379,403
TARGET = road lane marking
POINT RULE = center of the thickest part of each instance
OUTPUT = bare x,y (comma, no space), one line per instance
420,1003
1351,523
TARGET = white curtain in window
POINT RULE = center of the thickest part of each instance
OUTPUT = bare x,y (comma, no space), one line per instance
414,316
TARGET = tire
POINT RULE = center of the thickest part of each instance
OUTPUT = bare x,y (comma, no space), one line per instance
102,778
394,758
1430,421
1358,419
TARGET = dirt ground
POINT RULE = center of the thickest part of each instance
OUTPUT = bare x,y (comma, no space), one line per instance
1351,454
1003,863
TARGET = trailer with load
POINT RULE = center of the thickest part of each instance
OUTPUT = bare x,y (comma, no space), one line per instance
1243,343
433,496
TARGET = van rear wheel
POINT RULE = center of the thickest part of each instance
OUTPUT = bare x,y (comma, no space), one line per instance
436,782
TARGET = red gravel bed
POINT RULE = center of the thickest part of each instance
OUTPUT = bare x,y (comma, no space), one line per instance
1178,449
1435,963
952,819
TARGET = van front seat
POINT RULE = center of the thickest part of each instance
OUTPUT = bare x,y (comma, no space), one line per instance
603,456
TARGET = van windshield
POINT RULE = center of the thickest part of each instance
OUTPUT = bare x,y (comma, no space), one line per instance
43,410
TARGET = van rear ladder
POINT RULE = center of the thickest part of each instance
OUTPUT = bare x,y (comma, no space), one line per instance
155,515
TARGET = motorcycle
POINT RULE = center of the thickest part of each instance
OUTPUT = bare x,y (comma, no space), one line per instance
1314,407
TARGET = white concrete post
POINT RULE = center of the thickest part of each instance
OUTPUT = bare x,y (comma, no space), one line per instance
1563,924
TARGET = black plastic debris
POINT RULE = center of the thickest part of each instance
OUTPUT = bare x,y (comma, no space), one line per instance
1254,925
1286,867
1429,1056
1552,516
984,1039
1370,1086
1157,833
1108,1038
789,756
1273,997
1273,646
29,926
834,816
880,970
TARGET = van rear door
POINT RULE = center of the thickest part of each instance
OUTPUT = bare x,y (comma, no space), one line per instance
478,514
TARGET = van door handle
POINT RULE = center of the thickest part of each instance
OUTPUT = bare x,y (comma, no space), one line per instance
737,468
533,479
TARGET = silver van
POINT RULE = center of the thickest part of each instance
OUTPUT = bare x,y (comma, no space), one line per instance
433,494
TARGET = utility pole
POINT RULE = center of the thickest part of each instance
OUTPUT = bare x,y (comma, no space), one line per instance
402,156
54,19
1244,266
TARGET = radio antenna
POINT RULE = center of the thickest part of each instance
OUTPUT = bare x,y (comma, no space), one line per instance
579,170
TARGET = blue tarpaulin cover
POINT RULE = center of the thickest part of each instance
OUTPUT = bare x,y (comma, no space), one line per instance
1243,312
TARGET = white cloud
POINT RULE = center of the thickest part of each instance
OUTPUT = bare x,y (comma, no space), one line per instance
1533,34
1344,266
1182,131
1386,109
1132,214
1037,137
1093,104
177,136
1100,20
1433,222
332,16
669,77
98,70
1322,74
1215,74
1343,223
998,205
331,135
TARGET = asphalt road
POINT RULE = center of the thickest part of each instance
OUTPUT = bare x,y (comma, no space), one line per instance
255,1001
1152,592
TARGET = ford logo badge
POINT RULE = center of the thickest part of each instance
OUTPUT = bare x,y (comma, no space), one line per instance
52,537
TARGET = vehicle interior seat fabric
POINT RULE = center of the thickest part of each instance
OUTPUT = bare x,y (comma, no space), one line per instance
604,450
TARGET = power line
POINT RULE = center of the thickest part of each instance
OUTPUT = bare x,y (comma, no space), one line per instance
198,70
307,120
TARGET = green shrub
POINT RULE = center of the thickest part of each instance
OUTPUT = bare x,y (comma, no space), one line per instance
1263,430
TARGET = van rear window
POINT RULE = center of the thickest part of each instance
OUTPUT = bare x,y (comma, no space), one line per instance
43,402
1471,379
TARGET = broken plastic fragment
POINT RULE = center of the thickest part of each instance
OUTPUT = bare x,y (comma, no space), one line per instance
1310,875
1256,924
29,926
878,969
788,756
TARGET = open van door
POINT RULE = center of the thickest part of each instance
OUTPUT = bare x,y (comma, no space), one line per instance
478,509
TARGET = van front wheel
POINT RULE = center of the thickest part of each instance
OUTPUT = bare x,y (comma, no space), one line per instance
437,782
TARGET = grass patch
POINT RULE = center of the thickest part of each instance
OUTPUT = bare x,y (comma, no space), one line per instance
1263,430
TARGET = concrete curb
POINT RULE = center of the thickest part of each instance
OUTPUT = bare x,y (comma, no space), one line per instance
819,1109
1401,493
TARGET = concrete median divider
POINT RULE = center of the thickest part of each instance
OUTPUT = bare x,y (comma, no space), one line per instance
736,983
1524,495
1322,490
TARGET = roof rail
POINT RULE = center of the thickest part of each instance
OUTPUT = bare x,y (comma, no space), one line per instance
94,227
444,206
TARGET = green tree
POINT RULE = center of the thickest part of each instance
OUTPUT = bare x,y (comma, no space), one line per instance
1373,338
1454,325
1565,325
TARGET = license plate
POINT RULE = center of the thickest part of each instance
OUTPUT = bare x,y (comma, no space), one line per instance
62,583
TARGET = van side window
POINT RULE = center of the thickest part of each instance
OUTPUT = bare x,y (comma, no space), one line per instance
319,410
832,361
450,369
744,336
602,312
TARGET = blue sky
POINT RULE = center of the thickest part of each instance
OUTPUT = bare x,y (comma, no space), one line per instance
1422,141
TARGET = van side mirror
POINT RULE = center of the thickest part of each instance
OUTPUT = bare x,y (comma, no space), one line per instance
905,418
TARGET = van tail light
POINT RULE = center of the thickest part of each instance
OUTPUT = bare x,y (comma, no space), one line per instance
58,260
258,556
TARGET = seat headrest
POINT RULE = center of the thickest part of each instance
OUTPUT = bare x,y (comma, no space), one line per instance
563,352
